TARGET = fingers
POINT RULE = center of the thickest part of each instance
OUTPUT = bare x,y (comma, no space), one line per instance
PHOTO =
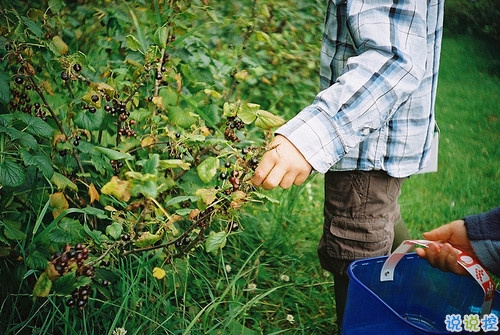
443,257
283,165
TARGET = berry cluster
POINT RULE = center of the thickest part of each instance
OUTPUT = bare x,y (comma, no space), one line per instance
232,123
253,163
79,297
235,180
21,100
116,165
76,141
70,257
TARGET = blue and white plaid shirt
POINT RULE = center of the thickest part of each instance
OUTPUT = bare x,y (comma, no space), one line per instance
379,67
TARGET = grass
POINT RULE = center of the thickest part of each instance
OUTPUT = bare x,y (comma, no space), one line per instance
267,280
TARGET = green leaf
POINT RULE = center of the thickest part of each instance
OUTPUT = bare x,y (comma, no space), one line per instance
266,197
208,169
42,286
174,163
65,284
4,88
41,161
180,199
36,260
98,213
35,29
133,43
215,241
182,117
62,182
151,165
12,230
248,112
11,174
68,230
114,230
160,37
113,154
35,125
55,5
147,188
25,139
89,121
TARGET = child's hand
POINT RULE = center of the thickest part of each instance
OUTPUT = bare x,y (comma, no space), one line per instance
282,165
443,255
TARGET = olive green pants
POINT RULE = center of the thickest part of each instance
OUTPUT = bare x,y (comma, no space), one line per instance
361,219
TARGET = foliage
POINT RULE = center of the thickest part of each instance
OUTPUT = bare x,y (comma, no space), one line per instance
128,137
479,16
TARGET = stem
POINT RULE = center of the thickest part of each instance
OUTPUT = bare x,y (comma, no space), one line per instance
161,208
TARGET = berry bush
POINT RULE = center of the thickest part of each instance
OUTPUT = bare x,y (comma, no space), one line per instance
130,132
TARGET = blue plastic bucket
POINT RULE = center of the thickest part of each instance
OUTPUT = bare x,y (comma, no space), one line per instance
418,300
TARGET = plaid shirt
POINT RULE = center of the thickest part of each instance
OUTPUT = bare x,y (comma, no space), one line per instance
379,66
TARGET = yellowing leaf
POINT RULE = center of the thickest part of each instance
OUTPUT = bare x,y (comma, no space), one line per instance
93,194
207,195
238,198
174,163
147,239
62,182
241,75
159,273
103,87
267,120
148,141
118,188
42,286
158,101
59,45
59,203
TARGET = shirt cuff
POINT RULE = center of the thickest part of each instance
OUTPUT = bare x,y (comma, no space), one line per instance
314,134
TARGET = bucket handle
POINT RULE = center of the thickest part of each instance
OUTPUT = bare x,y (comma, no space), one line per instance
466,261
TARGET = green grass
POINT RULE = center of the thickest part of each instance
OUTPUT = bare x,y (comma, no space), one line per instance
269,272
467,109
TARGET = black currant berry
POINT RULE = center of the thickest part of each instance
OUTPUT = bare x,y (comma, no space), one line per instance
76,143
92,109
81,303
64,75
19,80
223,176
95,98
70,303
126,237
228,164
77,67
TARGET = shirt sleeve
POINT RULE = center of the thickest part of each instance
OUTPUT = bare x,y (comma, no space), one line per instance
484,234
389,39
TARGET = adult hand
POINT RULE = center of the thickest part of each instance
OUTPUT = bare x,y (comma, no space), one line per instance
282,165
453,237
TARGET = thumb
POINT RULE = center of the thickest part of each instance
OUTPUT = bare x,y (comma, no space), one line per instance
442,233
